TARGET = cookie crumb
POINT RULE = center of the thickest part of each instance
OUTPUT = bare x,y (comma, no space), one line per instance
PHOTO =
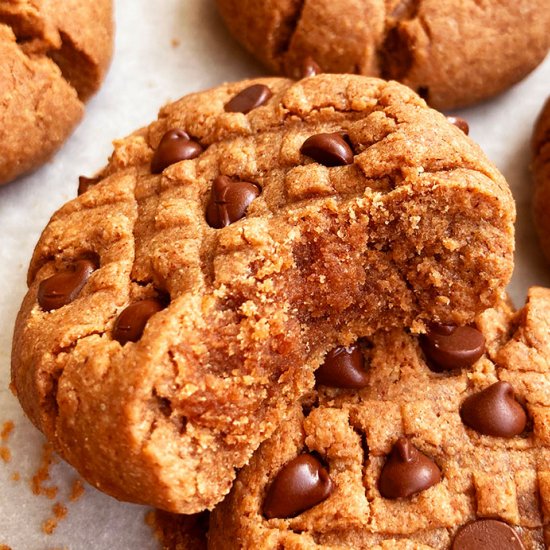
5,454
43,474
5,547
77,490
7,430
5,434
59,512
175,42
16,476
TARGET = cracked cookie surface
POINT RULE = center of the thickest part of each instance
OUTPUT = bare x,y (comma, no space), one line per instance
157,352
541,175
353,431
53,56
454,53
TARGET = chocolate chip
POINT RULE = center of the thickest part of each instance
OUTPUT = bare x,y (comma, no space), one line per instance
343,368
300,485
328,149
229,201
63,287
448,347
487,534
459,123
407,471
494,411
131,322
249,99
310,67
85,183
175,146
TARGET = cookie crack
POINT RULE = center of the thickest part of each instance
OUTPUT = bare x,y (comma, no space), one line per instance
48,40
287,29
394,51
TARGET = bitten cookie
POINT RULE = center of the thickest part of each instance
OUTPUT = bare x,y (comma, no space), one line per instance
541,175
178,308
453,53
440,442
53,56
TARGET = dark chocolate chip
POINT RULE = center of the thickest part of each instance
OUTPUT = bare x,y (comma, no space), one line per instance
85,183
175,146
229,201
487,534
63,287
328,149
300,485
494,411
310,67
249,99
407,471
343,368
448,347
459,123
130,324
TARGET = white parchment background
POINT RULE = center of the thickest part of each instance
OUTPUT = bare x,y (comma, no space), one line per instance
148,71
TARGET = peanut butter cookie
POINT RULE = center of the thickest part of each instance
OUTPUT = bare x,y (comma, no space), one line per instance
178,308
453,53
541,174
444,451
53,56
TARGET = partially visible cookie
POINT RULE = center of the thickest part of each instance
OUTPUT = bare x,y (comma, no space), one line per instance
419,454
453,53
178,308
53,56
541,174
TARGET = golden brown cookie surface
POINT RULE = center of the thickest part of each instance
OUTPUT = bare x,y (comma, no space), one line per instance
411,427
454,53
53,56
174,318
541,175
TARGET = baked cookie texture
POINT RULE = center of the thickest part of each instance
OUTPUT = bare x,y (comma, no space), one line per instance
352,432
176,532
417,228
453,53
541,175
53,57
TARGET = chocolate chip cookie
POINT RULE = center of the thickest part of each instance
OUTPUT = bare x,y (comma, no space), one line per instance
178,308
53,56
541,175
423,451
453,53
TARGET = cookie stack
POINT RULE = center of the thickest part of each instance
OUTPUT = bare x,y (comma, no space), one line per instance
284,301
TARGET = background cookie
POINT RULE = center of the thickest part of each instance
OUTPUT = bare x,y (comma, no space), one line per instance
475,446
453,53
53,56
157,351
541,174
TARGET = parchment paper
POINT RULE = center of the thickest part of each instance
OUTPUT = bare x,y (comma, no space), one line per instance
164,50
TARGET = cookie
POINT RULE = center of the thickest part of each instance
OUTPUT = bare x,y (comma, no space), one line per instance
53,57
178,308
453,53
423,455
541,175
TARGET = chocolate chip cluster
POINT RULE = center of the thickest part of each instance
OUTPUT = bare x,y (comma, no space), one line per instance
305,481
